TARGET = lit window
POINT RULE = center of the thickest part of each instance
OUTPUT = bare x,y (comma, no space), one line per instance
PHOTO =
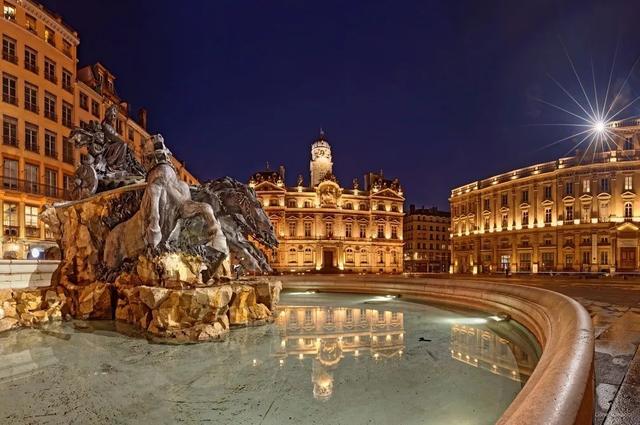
9,12
49,36
547,215
586,186
628,182
628,210
569,213
525,218
30,23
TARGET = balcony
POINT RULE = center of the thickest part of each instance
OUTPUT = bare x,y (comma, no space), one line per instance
10,141
31,67
9,99
30,187
10,58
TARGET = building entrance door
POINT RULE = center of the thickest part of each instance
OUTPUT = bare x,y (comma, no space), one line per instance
327,259
627,258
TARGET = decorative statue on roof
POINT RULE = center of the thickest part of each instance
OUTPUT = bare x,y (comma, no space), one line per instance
356,184
109,161
300,182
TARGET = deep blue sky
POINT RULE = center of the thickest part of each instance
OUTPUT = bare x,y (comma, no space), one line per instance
437,93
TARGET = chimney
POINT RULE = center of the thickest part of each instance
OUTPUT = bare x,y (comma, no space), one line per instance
412,208
142,118
281,172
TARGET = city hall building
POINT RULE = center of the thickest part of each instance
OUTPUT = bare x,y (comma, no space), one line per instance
45,95
579,213
323,226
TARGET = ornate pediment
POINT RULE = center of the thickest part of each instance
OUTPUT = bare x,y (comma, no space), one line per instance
604,196
627,227
547,203
628,195
586,198
387,193
568,199
267,185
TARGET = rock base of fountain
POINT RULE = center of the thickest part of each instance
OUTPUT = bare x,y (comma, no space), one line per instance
30,307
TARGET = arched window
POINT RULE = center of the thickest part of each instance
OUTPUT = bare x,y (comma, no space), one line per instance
349,256
362,207
291,203
394,257
308,255
364,258
348,206
628,210
293,256
380,206
380,257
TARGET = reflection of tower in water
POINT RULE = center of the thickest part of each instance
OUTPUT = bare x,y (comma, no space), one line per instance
514,358
329,334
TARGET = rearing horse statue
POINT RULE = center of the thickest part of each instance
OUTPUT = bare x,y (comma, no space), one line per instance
166,200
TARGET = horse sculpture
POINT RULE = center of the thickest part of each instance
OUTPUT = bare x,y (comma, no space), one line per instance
166,201
241,216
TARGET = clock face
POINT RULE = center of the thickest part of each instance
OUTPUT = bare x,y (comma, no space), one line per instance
321,152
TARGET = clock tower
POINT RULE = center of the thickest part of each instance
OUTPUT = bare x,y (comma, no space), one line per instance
321,162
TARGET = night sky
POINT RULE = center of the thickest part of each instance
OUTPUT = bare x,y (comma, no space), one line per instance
436,93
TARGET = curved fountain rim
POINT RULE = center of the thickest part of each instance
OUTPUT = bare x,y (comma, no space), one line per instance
560,389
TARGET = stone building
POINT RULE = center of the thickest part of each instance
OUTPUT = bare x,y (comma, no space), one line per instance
578,213
44,96
426,240
325,227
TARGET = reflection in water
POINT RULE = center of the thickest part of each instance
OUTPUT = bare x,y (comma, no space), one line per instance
328,334
485,349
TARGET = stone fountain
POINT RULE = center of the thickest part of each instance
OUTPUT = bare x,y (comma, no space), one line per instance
140,246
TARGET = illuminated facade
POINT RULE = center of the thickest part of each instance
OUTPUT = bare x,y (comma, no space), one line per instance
484,349
426,240
326,335
44,96
579,213
325,227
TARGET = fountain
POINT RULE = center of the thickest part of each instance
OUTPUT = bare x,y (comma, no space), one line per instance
142,247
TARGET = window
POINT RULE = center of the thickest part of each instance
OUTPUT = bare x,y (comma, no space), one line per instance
84,101
10,218
307,229
9,83
380,207
380,255
67,150
308,255
547,215
50,70
30,60
50,106
394,257
30,98
31,137
525,196
362,207
505,220
525,261
628,183
586,257
10,174
50,144
628,210
586,186
9,131
628,143
547,192
30,23
487,203
66,80
604,257
568,188
51,182
504,200
328,230
568,213
349,258
31,221
119,126
381,230
586,213
292,228
487,223
291,203
66,48
307,204
548,260
525,218
95,109
394,232
67,113
9,12
363,231
604,212
31,176
348,230
364,258
49,36
9,49
604,185
130,134
67,183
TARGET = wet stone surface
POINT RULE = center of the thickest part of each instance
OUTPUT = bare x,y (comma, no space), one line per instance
327,359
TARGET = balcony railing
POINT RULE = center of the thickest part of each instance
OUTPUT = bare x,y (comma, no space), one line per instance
9,57
24,186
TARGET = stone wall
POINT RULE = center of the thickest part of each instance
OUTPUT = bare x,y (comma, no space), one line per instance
15,274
